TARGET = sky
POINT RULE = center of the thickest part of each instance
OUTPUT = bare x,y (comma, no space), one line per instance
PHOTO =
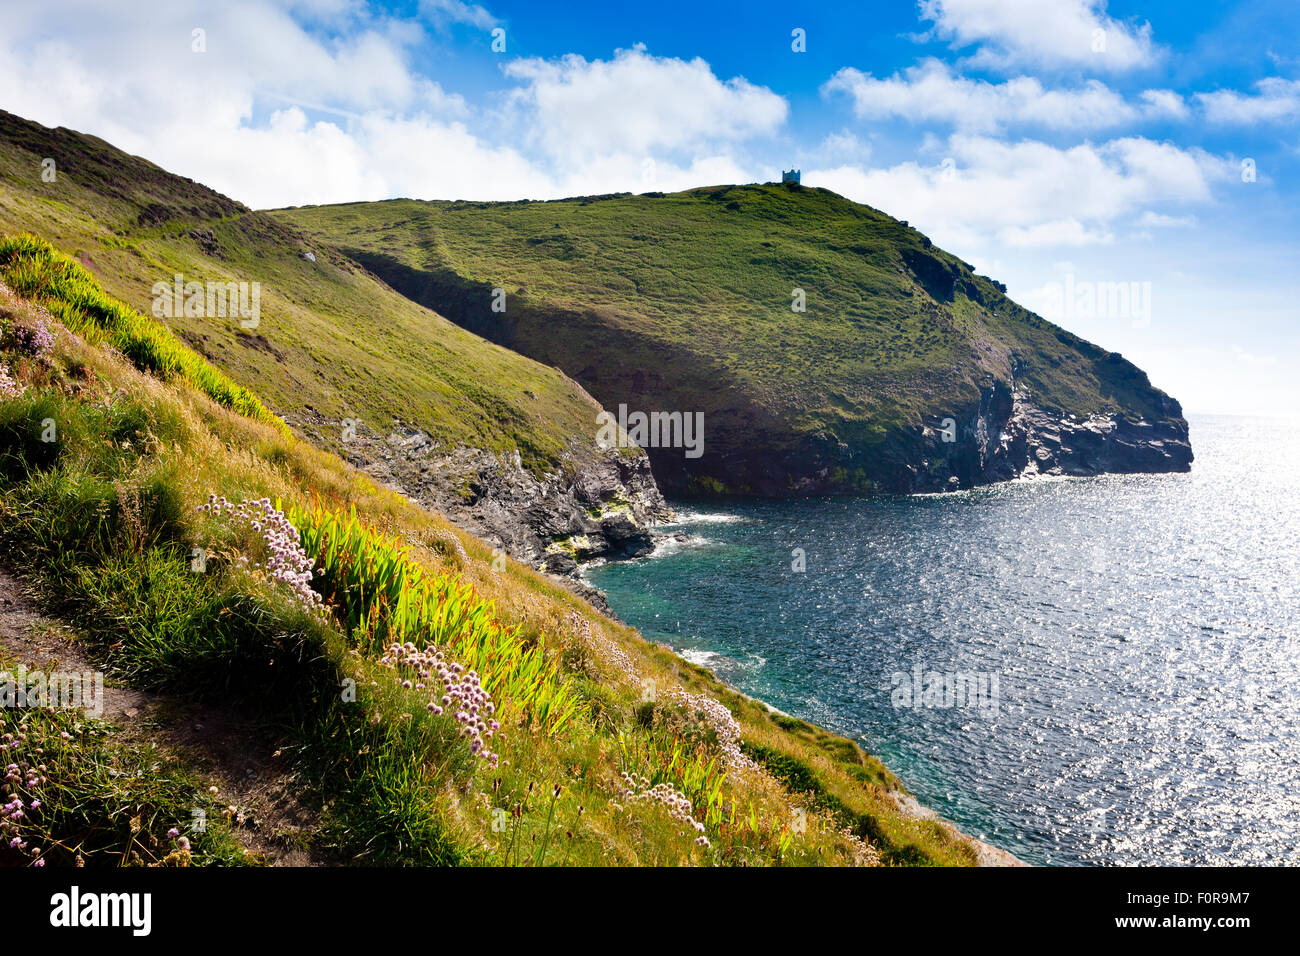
1128,169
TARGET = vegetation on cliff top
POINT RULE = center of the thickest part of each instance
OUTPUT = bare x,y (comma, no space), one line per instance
684,302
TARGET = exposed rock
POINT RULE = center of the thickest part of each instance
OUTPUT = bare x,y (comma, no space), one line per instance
1010,437
604,509
208,243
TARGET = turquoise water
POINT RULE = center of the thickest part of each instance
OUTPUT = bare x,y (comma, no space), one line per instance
1142,631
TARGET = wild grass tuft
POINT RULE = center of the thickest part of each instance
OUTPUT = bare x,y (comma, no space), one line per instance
383,596
35,269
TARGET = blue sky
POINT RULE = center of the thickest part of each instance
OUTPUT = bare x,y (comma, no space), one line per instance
1060,147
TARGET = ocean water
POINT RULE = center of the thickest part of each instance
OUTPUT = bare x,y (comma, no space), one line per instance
1128,643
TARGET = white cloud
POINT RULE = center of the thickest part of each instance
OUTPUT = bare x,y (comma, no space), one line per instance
132,68
1164,104
1159,220
1057,232
637,103
275,113
1043,33
843,145
1277,100
456,11
932,92
1251,359
1030,193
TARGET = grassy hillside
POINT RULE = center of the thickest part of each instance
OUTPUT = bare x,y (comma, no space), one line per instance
684,302
335,614
332,343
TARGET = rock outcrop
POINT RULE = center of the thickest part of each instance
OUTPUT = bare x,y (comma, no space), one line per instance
1009,436
604,509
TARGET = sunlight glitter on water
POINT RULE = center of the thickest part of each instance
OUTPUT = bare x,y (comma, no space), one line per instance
1143,628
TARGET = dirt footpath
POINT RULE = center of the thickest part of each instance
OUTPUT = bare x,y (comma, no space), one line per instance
219,743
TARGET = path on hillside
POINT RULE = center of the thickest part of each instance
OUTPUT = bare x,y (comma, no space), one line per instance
220,744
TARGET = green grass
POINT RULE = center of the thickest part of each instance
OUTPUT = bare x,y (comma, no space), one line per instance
382,597
103,522
104,802
35,269
333,342
683,302
900,845
113,555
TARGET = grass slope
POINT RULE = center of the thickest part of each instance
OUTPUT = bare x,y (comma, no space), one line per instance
332,343
684,302
104,471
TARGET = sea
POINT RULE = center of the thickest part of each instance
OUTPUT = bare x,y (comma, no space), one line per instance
1081,671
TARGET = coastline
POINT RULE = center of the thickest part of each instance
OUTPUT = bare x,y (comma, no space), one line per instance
987,855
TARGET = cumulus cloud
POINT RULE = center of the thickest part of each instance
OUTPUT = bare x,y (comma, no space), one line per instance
290,106
931,92
1058,232
638,103
1054,35
1277,100
1030,193
843,145
457,11
130,67
1159,220
1165,104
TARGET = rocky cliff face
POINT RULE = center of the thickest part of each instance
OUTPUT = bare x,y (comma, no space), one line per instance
1001,435
605,508
1008,436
